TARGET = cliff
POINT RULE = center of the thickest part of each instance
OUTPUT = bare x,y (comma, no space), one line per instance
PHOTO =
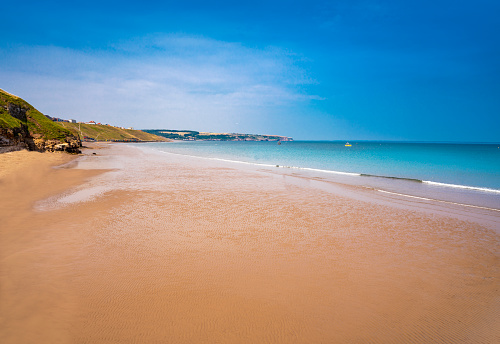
99,132
24,127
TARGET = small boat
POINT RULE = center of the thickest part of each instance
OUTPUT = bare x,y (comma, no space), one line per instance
347,144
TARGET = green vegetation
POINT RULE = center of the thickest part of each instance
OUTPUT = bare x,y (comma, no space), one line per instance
196,135
109,133
37,123
174,134
6,120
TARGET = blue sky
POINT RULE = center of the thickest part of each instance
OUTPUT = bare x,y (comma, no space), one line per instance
329,70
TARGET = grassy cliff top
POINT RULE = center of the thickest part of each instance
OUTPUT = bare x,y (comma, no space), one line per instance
37,123
109,133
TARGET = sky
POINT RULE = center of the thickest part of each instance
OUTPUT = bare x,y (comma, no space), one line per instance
312,70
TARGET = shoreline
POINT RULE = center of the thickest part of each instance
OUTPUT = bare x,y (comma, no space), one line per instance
421,184
128,245
349,186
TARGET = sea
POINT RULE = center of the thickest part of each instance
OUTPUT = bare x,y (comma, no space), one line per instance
467,174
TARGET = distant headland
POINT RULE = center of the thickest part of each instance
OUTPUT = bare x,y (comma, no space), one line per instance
191,135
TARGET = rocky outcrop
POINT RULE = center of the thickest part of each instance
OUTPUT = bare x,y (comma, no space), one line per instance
19,138
70,145
12,139
30,129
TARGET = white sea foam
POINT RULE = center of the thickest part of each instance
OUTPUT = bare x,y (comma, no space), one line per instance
330,171
266,165
354,174
437,200
467,187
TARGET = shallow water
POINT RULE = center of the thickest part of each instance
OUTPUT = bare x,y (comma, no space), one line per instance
473,165
459,173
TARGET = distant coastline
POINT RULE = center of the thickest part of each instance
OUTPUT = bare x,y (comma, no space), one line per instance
191,135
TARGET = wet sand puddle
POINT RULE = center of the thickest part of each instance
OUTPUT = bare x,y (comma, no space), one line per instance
174,250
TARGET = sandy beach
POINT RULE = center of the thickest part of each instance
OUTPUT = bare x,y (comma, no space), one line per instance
130,246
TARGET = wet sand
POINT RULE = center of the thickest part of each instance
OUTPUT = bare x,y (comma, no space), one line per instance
127,246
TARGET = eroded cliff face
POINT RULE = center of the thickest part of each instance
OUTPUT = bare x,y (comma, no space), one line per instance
71,144
12,139
18,138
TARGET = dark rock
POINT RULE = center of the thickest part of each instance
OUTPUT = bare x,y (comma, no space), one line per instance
17,111
12,139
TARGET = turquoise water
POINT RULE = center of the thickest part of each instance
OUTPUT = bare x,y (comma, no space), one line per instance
467,165
468,174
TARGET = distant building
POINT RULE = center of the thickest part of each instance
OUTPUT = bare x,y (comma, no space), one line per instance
131,128
72,120
54,119
91,122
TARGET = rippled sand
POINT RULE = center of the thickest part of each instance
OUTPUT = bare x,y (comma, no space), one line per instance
168,249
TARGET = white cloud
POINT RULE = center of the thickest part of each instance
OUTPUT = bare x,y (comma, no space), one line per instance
166,81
